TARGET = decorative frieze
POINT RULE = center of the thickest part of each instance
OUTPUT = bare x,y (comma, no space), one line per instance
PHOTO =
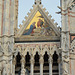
41,48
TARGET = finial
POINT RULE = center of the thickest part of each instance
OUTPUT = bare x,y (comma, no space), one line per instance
37,1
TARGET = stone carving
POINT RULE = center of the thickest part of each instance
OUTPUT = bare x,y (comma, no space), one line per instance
73,45
47,27
65,66
50,59
22,66
65,41
66,60
0,68
14,61
41,59
65,71
32,59
72,5
23,71
37,1
65,57
1,49
7,68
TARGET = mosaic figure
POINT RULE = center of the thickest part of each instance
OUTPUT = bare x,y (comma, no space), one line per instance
32,27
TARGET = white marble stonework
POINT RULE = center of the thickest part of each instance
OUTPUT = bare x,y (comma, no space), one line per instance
37,55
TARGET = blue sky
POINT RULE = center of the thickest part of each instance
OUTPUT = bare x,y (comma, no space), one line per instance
50,5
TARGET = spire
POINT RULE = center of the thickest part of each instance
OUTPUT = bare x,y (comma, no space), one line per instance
37,1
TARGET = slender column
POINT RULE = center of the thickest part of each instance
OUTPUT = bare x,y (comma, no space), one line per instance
6,18
14,63
50,65
32,64
0,72
1,3
22,65
41,64
0,69
59,62
4,67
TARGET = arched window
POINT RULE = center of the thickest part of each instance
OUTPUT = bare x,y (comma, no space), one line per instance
18,64
46,64
36,65
55,64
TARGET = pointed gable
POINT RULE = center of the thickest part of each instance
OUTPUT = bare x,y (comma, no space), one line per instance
31,15
38,12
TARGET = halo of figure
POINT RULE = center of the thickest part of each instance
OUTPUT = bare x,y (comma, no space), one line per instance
40,23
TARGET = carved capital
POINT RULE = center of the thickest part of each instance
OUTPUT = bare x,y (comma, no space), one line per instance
65,58
59,60
23,60
50,59
14,61
0,42
0,67
23,72
32,59
41,59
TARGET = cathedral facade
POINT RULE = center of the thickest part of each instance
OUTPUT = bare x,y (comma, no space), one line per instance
38,46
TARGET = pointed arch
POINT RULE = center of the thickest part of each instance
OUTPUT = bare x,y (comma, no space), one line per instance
55,63
18,64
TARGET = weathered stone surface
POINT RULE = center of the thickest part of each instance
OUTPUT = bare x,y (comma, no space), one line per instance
17,51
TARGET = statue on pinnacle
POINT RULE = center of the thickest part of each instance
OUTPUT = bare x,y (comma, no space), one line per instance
37,1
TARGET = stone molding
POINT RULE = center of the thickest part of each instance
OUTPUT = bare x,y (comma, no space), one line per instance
33,48
1,36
